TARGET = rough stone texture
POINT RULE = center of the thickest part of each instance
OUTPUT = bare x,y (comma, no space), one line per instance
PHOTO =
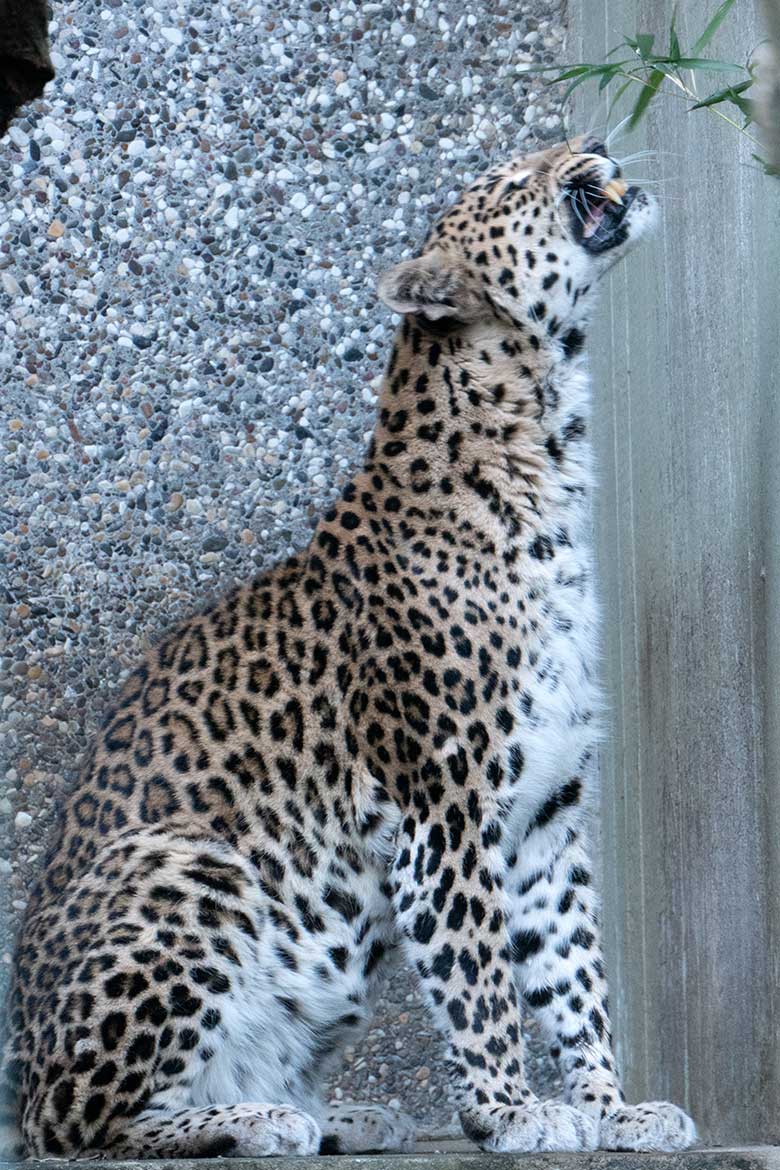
191,223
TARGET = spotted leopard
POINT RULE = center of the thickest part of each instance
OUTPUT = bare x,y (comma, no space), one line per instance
380,750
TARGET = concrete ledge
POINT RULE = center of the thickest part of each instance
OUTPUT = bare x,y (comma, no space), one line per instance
457,1155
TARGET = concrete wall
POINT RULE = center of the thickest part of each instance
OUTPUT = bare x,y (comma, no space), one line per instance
191,225
686,358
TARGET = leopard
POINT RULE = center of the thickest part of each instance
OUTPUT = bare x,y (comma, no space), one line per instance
380,752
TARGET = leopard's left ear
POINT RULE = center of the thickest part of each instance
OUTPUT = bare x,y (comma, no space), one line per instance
432,285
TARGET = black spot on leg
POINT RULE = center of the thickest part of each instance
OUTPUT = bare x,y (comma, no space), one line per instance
525,944
539,998
572,342
424,927
457,1014
218,1147
329,1144
565,797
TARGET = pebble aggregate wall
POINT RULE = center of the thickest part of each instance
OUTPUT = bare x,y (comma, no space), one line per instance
191,224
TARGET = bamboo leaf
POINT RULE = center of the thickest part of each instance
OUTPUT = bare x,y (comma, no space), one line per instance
578,74
607,77
575,71
674,44
705,63
649,90
733,95
573,85
723,95
644,44
767,167
745,106
566,71
717,20
618,95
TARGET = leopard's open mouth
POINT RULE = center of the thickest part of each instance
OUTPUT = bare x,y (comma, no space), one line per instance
597,211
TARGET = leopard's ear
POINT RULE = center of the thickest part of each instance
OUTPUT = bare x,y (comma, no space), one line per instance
433,285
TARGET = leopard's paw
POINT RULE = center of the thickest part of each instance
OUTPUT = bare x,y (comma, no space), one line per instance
357,1129
537,1125
655,1125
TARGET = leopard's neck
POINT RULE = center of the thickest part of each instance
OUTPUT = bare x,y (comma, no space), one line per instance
487,419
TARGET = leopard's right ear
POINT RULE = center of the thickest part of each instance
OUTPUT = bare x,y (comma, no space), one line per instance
432,285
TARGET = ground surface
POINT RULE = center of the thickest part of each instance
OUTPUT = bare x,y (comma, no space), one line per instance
459,1156
191,224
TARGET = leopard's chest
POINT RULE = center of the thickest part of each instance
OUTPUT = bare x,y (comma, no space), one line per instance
556,697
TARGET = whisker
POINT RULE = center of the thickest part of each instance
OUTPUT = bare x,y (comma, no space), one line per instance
574,203
653,177
639,155
616,131
640,165
642,162
654,154
593,126
651,182
664,200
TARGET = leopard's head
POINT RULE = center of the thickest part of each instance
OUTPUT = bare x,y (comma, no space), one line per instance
526,243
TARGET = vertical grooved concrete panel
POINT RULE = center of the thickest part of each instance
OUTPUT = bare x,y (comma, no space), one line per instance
686,352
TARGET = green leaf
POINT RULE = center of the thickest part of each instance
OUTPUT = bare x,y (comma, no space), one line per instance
575,71
618,95
573,85
733,95
723,95
706,63
746,107
532,67
767,167
607,77
674,44
577,74
649,90
713,26
644,44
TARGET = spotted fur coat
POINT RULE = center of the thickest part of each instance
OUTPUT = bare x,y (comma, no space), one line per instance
381,750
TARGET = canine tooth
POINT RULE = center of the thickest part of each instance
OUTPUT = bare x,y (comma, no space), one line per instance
614,190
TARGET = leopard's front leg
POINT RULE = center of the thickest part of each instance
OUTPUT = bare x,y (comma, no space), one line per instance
559,969
450,903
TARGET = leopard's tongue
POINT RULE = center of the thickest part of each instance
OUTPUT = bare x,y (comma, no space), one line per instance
595,216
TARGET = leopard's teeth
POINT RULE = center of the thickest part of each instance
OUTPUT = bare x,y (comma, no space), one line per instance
614,190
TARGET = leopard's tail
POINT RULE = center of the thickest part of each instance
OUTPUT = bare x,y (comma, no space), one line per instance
10,1135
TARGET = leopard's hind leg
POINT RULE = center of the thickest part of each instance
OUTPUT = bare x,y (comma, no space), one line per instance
172,1031
235,1131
